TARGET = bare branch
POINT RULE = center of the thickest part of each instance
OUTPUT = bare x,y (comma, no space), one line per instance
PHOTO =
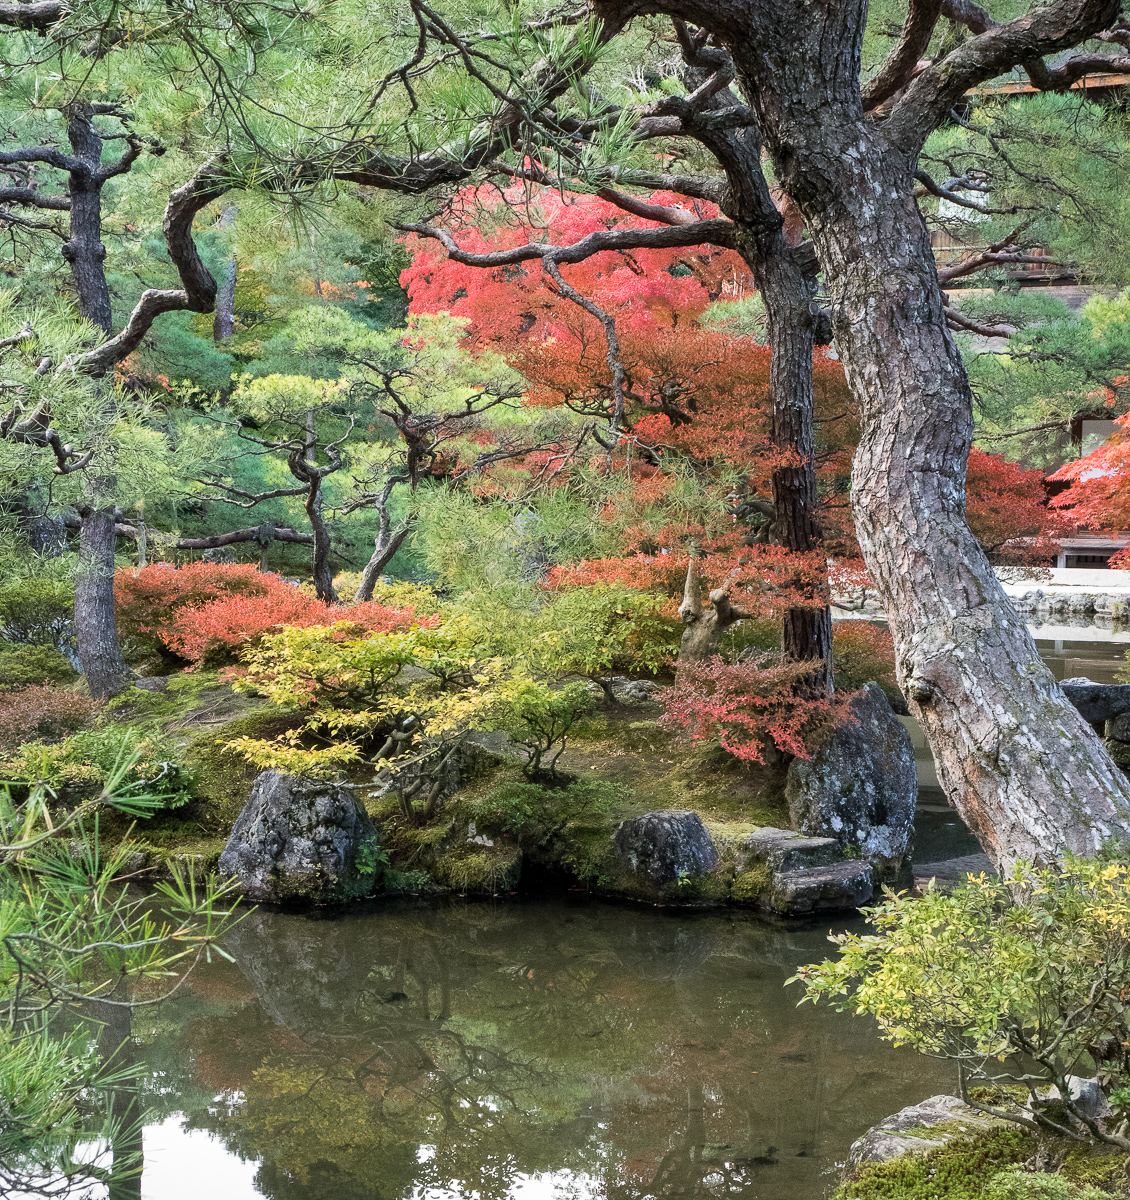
1056,26
34,198
713,231
666,213
41,14
257,533
957,321
198,289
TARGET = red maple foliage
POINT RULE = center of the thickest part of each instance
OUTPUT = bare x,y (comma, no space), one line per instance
1007,509
207,612
1099,495
745,704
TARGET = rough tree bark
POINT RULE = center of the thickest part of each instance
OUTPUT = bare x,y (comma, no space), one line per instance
703,627
1028,775
223,324
99,650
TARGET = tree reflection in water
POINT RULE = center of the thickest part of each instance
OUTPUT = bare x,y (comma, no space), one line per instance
460,1048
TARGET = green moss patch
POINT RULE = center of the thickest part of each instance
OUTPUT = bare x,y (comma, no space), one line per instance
958,1170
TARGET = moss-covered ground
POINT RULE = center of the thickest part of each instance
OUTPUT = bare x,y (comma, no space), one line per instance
637,766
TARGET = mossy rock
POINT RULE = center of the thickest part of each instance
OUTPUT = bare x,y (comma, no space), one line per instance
752,886
1119,751
223,777
958,1170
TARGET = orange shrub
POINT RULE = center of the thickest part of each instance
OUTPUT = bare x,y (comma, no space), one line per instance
147,600
207,612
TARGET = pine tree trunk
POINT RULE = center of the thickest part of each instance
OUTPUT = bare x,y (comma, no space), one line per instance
788,293
321,570
98,647
1028,775
223,324
787,285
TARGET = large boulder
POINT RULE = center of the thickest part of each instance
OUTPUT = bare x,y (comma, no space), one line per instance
302,840
1098,701
860,786
666,855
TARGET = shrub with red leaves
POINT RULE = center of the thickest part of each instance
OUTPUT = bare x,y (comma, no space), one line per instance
219,629
42,712
207,612
744,703
146,601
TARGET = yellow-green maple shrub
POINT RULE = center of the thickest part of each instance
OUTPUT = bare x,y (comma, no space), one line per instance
397,697
1024,981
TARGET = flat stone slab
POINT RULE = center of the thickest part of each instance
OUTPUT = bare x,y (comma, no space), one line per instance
1098,701
822,889
953,870
787,850
912,1130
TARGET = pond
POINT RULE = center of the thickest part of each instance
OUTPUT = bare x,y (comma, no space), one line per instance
529,1049
522,1049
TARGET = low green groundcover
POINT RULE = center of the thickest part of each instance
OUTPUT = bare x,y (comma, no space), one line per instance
986,1166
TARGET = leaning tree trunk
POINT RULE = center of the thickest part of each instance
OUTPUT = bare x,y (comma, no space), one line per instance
1027,774
98,647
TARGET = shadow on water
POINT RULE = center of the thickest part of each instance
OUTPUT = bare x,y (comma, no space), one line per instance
524,1049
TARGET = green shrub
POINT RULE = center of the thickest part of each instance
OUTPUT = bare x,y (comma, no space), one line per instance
957,1170
1023,981
577,818
87,759
25,666
37,612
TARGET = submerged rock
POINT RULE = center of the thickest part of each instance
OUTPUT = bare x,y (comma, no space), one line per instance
860,786
302,839
920,1128
662,851
821,889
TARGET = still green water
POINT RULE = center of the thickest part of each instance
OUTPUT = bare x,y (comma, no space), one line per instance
524,1049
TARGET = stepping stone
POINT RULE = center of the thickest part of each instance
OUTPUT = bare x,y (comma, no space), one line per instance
822,889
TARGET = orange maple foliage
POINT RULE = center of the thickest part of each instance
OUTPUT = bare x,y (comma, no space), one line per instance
209,611
1099,495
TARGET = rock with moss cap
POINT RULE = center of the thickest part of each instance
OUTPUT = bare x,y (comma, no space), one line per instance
860,786
920,1128
665,856
300,840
